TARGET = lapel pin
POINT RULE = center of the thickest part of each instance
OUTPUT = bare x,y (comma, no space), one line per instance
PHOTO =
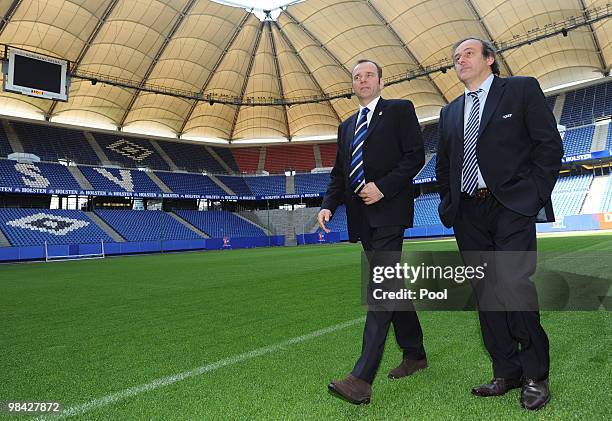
380,113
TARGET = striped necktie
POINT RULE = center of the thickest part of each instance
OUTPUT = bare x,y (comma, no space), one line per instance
357,175
469,172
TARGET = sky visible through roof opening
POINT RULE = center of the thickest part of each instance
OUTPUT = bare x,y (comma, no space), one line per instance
263,9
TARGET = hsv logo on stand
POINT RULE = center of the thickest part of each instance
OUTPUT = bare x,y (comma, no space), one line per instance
130,150
51,224
125,181
32,176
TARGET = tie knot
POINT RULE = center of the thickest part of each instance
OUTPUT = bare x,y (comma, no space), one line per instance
365,111
475,94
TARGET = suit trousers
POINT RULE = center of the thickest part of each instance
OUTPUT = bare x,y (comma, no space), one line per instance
512,334
383,245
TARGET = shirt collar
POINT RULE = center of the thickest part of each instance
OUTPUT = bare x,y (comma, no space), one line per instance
371,106
485,86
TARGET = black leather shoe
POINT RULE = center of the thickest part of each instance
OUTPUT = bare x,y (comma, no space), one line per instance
498,386
535,395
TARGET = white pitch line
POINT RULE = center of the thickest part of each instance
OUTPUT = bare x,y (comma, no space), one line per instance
165,381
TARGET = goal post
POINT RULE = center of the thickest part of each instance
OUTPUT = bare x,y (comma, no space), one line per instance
95,251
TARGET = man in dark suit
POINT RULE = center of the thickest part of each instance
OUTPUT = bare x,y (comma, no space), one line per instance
499,156
380,150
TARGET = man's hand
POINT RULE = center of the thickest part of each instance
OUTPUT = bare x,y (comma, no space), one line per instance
370,194
323,217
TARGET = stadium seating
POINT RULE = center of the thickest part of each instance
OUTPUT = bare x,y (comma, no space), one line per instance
130,152
569,194
267,186
247,159
54,143
338,221
146,225
606,203
582,106
191,157
430,138
328,154
219,224
226,155
550,101
429,170
426,209
237,185
311,183
578,141
5,146
30,227
114,179
183,183
289,157
609,140
37,175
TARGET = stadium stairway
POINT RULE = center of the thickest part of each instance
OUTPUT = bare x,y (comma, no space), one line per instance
80,178
96,148
262,159
317,155
597,190
290,184
306,220
105,227
558,109
164,155
12,137
188,225
290,239
258,225
222,184
600,137
159,183
258,218
221,162
4,242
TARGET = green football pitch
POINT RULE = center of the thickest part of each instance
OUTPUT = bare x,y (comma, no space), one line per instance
258,334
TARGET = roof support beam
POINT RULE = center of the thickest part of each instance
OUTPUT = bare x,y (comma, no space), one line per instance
177,24
307,69
605,70
489,36
9,15
279,78
406,49
214,69
109,9
246,79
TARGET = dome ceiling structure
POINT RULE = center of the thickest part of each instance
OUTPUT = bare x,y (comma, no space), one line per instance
302,53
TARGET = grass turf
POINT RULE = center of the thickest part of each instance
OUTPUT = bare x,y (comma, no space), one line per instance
78,331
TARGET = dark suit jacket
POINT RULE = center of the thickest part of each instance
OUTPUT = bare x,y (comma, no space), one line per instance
392,156
519,149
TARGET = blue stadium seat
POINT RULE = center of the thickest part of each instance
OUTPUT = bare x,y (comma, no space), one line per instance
5,146
146,225
31,227
569,194
426,209
430,138
219,224
582,106
38,175
130,152
53,143
237,184
338,221
114,179
182,183
267,186
429,170
578,141
311,183
192,157
228,157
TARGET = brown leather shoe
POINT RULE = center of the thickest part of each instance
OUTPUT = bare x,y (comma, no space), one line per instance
407,368
351,389
498,386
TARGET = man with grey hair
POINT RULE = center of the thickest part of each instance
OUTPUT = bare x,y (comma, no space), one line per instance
499,156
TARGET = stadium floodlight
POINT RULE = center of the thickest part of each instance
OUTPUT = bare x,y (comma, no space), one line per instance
74,253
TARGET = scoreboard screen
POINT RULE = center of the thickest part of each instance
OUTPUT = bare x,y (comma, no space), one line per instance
36,75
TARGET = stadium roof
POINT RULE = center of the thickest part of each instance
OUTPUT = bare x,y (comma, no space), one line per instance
219,63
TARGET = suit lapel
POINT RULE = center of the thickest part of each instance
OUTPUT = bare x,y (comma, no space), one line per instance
350,135
493,97
460,113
